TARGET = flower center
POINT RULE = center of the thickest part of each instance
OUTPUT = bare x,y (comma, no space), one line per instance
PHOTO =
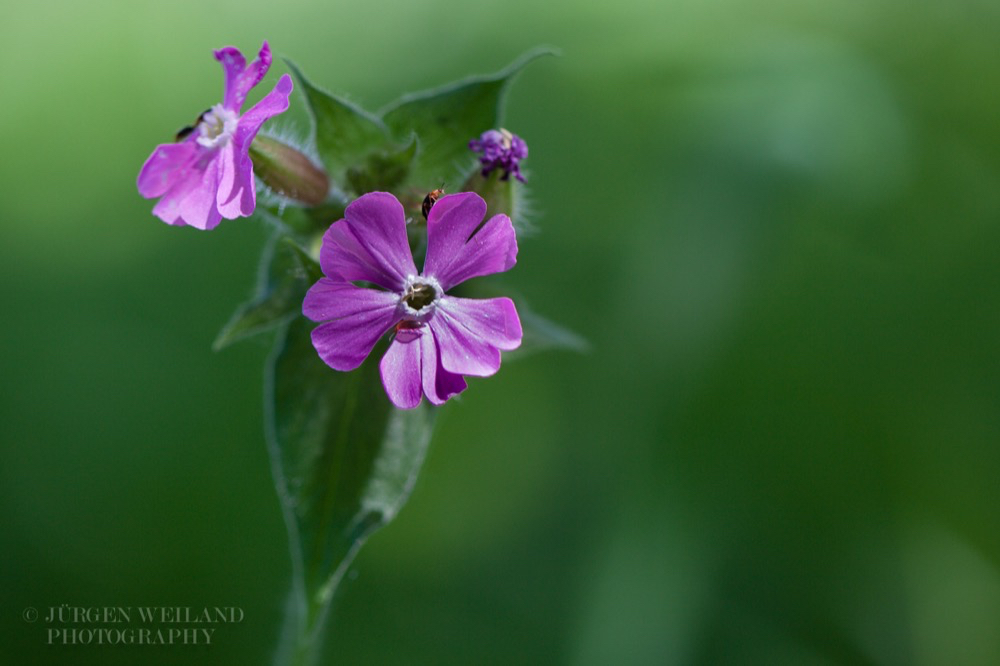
217,126
420,294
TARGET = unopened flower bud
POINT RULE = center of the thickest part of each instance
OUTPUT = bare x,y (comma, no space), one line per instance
288,172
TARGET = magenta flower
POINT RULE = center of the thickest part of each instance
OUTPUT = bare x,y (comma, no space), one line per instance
207,175
437,338
500,149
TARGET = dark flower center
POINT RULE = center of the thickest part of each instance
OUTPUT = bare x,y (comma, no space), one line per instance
419,295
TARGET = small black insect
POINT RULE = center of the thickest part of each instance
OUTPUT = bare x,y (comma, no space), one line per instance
185,131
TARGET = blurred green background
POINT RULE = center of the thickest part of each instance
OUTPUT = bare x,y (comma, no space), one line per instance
776,223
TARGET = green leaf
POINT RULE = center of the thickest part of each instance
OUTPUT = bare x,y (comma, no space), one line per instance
383,171
301,223
346,134
287,273
446,119
345,461
541,333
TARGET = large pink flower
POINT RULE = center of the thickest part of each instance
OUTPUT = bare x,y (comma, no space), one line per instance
437,338
207,175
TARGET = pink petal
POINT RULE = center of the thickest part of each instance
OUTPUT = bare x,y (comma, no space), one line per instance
452,256
369,243
329,299
272,104
411,367
240,78
169,164
439,384
471,333
192,200
401,371
233,65
494,320
346,341
237,194
237,190
450,223
462,352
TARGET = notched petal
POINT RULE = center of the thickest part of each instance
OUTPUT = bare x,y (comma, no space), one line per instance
401,373
439,384
494,320
331,299
492,249
450,223
345,343
192,201
240,78
168,165
273,103
463,352
369,243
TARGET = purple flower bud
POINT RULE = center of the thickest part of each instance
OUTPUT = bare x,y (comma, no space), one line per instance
500,149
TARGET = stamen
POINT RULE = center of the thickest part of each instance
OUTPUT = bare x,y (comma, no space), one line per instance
217,126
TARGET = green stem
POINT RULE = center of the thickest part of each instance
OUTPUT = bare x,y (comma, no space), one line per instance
305,619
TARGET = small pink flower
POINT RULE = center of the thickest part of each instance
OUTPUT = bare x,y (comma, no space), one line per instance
207,175
437,338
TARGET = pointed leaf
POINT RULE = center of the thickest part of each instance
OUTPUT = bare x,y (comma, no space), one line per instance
285,276
541,333
346,134
301,223
383,172
447,118
345,461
